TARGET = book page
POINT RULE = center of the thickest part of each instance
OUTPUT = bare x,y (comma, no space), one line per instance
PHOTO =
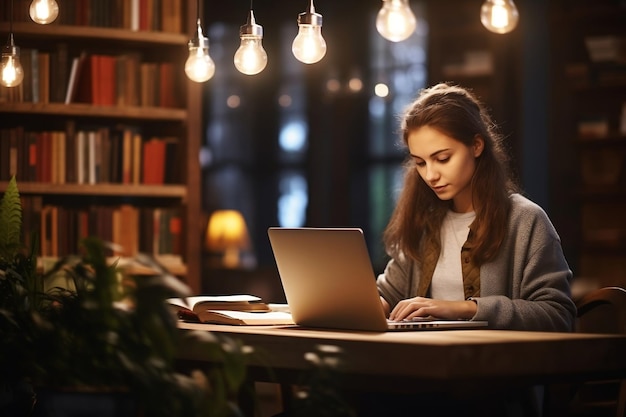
246,317
190,302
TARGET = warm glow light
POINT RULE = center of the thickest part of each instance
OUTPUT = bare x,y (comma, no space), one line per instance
251,58
43,11
355,84
309,45
11,68
227,233
284,100
395,20
381,90
199,67
333,85
233,101
499,16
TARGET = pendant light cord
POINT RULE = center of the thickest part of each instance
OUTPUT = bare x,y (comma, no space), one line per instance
11,42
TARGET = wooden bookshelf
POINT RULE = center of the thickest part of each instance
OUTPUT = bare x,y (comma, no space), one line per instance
589,74
181,120
462,51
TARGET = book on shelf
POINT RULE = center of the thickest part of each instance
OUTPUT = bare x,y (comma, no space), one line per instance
153,161
126,230
44,77
27,83
136,158
74,77
5,159
59,72
107,80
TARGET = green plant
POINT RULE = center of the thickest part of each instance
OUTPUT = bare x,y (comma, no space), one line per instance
104,331
20,290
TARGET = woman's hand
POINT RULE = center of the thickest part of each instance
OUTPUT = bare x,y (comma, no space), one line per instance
424,307
386,307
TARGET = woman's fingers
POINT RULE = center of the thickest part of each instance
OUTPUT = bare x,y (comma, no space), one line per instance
423,307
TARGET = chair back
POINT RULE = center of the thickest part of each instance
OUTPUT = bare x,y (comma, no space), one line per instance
602,311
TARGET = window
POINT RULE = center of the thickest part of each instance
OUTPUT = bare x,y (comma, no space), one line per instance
259,136
398,72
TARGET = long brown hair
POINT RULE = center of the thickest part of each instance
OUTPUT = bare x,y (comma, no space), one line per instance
419,213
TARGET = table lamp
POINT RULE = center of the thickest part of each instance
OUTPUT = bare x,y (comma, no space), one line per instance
227,234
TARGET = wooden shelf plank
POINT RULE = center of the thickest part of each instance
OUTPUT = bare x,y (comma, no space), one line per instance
150,39
89,110
158,191
172,264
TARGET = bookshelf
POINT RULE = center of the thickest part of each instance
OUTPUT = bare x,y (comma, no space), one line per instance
83,182
462,51
590,112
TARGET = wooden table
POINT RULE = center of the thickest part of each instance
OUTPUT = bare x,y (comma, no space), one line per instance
429,360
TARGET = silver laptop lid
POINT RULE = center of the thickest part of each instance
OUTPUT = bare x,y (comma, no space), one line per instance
328,278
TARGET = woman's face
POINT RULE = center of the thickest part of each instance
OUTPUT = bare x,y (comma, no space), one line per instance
445,164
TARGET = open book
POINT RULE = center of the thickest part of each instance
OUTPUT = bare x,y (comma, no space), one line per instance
240,309
247,317
191,308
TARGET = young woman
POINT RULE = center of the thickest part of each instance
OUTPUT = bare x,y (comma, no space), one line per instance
463,243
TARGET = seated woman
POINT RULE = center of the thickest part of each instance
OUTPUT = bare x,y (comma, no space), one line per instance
463,242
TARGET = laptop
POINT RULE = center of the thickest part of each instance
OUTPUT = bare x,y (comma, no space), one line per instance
329,282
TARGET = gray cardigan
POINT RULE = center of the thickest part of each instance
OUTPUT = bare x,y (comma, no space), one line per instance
526,287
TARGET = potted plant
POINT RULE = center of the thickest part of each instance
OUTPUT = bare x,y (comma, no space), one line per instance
105,332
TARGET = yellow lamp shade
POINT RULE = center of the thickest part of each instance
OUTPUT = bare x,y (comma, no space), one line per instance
227,233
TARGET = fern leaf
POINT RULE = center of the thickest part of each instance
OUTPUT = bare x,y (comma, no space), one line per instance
10,218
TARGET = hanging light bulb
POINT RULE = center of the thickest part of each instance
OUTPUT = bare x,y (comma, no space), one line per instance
309,46
12,72
199,67
251,58
499,16
10,68
395,20
43,11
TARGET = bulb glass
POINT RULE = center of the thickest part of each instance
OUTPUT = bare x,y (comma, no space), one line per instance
499,16
11,70
309,45
43,11
250,58
395,20
199,67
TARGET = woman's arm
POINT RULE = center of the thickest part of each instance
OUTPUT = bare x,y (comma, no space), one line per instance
527,286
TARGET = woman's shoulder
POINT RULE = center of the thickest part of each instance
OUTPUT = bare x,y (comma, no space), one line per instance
524,208
520,202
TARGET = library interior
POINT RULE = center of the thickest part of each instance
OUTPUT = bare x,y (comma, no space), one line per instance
147,146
